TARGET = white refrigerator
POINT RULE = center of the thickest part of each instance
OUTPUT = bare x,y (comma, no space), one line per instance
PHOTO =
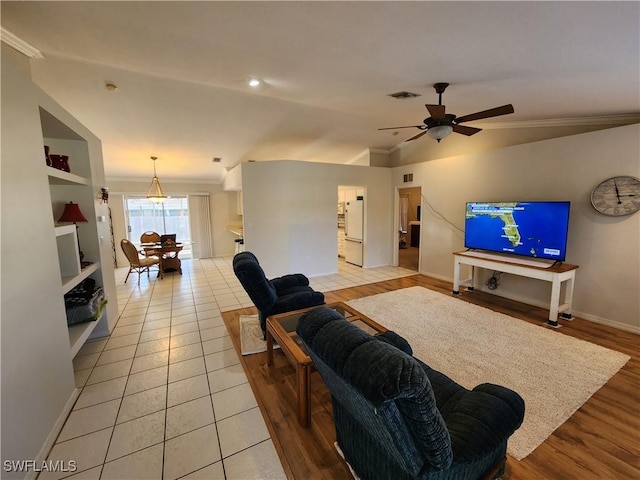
353,231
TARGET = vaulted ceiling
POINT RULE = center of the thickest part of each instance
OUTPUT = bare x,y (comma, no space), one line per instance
327,69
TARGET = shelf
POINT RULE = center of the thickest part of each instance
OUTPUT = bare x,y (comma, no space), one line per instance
78,334
65,230
69,282
60,177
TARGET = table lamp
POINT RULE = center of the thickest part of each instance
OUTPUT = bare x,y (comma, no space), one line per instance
72,214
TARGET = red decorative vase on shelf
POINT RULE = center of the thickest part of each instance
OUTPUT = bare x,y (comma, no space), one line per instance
61,162
47,158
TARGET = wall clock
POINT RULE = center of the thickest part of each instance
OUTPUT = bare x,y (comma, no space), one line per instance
617,196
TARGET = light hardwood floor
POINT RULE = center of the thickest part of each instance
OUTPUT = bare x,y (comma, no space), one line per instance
600,441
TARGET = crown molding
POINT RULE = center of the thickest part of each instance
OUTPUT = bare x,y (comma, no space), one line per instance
359,157
20,45
379,150
620,119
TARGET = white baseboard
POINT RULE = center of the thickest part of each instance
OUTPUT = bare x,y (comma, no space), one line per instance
53,434
539,303
584,316
610,323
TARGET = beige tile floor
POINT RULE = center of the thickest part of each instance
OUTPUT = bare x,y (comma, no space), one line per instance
165,396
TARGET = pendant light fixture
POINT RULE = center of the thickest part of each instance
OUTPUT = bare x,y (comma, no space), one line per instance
155,193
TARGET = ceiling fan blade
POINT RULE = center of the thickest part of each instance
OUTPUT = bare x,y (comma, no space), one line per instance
492,112
464,130
408,126
436,111
415,137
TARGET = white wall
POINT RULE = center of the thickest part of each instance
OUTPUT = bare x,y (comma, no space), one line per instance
606,249
222,206
290,214
37,372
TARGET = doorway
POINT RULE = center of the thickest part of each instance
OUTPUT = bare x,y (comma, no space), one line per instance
410,201
351,224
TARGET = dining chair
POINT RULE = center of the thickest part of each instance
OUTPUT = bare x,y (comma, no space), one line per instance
149,237
137,263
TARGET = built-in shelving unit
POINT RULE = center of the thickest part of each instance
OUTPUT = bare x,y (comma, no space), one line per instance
75,186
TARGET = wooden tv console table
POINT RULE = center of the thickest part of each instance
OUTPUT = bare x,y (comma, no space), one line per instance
556,274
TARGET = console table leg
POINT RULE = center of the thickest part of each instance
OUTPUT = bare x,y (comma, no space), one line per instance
554,304
456,276
568,298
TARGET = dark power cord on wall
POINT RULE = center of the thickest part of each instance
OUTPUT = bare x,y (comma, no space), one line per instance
494,281
439,215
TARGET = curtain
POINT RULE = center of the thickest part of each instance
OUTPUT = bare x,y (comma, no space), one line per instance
200,220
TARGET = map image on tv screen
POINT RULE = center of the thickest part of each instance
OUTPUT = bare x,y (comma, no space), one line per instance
531,229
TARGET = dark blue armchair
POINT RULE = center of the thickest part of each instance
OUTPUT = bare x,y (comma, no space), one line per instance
397,418
279,295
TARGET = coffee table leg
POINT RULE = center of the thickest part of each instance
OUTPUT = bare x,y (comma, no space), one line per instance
304,391
269,348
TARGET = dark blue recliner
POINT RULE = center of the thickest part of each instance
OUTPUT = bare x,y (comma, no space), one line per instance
279,295
397,418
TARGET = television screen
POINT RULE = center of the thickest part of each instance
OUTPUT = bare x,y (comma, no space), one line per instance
530,229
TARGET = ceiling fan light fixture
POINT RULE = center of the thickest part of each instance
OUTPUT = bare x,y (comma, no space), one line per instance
155,193
440,131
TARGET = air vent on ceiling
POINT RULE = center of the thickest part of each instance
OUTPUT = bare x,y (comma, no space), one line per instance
403,95
216,160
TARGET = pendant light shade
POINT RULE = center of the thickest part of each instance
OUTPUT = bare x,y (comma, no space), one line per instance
155,193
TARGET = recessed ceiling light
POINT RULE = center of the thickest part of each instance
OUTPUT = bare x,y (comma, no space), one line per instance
112,87
254,82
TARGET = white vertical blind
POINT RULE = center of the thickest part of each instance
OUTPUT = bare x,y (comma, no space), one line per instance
200,226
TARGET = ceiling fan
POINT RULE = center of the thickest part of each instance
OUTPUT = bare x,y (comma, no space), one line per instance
441,124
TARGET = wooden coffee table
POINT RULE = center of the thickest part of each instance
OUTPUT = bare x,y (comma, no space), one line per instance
282,329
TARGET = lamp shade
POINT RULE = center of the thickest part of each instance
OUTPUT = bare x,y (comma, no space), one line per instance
439,131
72,214
155,193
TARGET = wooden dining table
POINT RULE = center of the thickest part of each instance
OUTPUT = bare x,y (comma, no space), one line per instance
168,255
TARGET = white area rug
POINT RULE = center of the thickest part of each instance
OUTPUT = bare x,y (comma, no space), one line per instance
251,340
554,373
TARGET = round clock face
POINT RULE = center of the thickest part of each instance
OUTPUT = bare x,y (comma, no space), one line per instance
617,196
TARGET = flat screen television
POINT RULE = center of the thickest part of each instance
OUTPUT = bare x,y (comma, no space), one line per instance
529,229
